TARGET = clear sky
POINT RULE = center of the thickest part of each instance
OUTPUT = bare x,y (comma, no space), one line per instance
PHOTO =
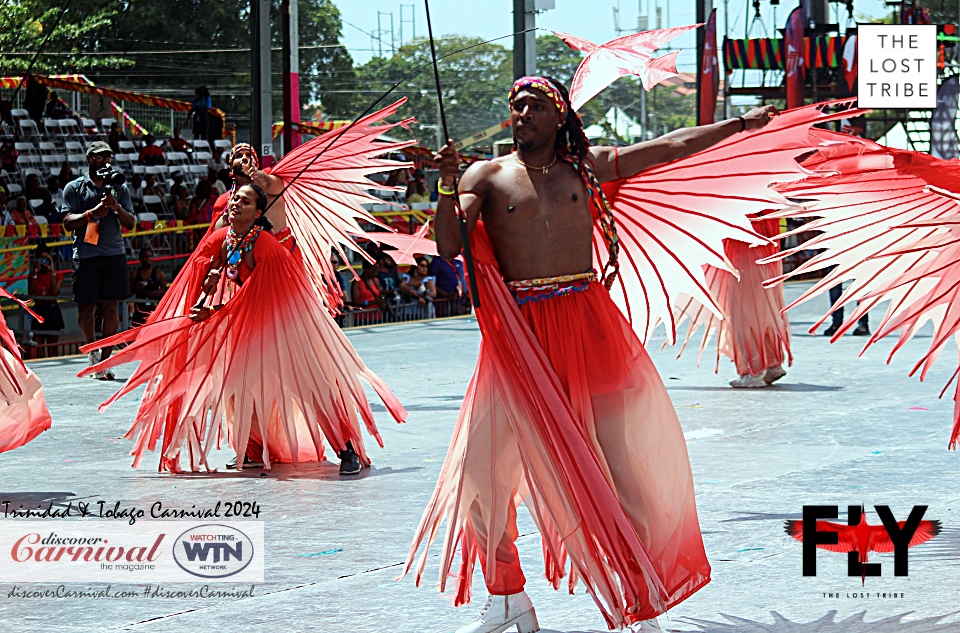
590,19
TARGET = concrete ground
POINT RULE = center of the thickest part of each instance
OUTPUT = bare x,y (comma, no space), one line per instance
837,430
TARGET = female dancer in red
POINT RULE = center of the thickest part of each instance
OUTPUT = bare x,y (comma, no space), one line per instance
269,366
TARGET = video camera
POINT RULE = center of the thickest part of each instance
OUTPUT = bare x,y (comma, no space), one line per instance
112,178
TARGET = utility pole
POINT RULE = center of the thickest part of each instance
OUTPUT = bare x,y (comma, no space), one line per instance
261,111
291,75
704,7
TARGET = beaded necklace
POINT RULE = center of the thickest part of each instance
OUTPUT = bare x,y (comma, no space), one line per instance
237,245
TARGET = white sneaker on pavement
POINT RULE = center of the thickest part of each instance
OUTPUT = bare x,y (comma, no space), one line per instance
94,358
503,612
746,381
645,625
773,374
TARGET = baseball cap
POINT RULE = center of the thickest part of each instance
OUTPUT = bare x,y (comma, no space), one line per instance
98,147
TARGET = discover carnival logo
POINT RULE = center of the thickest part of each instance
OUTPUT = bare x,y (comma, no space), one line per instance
213,551
114,552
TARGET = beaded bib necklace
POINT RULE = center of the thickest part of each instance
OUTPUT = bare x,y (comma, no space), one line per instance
237,245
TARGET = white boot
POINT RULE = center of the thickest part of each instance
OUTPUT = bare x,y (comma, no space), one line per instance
646,625
502,612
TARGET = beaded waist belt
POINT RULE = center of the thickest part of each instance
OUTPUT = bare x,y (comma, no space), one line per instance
529,290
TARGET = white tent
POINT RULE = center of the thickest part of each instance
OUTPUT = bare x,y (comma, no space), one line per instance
617,120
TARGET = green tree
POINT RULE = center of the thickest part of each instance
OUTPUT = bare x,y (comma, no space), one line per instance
475,84
26,24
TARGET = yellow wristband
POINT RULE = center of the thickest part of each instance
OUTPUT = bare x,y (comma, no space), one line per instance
446,192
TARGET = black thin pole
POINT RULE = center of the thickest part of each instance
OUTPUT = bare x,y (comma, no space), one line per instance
461,216
36,55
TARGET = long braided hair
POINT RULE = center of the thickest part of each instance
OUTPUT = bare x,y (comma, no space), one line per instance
571,147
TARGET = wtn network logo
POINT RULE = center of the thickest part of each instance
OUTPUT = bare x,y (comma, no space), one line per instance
857,539
213,551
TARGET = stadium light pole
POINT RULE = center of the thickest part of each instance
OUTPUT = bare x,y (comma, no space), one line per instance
261,110
291,75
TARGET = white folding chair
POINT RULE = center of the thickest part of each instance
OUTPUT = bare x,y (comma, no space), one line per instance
106,123
74,147
127,146
47,147
35,204
31,171
19,113
176,158
201,157
200,145
153,169
139,169
70,128
28,128
52,128
25,149
90,129
41,219
224,144
13,191
76,160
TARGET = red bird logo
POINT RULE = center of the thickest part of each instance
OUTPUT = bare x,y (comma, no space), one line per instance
863,538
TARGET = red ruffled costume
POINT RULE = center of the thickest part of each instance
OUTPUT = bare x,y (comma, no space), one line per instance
272,354
23,408
754,332
567,412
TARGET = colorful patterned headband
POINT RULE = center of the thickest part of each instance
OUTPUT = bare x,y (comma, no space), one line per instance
243,147
545,86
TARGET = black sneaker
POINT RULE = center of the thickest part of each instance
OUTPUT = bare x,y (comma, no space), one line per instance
830,331
862,330
247,463
349,461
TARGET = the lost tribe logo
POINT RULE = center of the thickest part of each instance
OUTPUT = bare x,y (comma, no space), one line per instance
213,551
858,538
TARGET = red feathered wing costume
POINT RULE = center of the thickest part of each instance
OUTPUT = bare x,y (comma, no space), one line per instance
272,354
23,409
566,411
323,210
889,221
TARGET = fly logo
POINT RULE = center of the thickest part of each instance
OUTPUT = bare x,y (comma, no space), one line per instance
213,551
858,538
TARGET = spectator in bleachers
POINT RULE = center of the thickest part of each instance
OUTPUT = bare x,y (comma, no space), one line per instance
392,287
115,136
22,214
151,154
398,177
341,278
181,203
95,216
152,188
447,275
201,209
31,187
66,174
178,144
56,108
177,177
8,155
136,192
200,111
53,186
44,281
48,208
420,195
216,162
365,291
147,283
215,183
418,279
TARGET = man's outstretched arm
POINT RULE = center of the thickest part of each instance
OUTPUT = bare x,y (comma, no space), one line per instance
611,164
